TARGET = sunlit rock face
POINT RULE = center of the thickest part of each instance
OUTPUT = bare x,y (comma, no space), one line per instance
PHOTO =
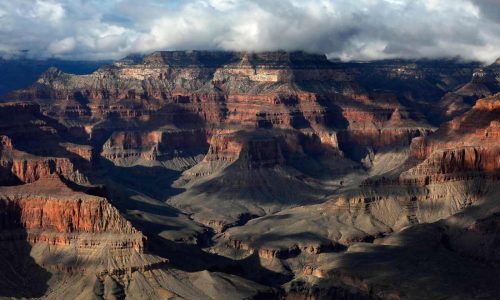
297,91
240,175
465,147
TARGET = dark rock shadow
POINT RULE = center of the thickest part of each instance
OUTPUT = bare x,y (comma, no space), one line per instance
155,182
191,258
421,260
324,245
20,275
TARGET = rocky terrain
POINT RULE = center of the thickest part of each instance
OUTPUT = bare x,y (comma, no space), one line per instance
21,71
235,175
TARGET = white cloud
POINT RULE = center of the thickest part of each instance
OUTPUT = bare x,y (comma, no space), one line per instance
362,29
48,10
223,5
63,46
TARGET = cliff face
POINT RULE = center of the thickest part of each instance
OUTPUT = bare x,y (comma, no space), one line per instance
136,147
428,87
49,206
29,168
250,150
465,147
35,157
64,216
34,146
287,166
68,231
253,90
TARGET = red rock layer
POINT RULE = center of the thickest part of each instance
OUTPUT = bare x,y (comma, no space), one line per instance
155,145
251,150
237,90
263,148
34,146
28,168
65,216
51,212
465,147
83,151
224,148
31,170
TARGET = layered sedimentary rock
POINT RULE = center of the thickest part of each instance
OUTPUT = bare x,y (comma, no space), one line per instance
452,166
359,216
484,82
83,247
463,148
375,129
48,207
371,213
23,167
275,171
35,146
179,147
85,152
30,130
259,90
76,237
253,150
253,172
426,86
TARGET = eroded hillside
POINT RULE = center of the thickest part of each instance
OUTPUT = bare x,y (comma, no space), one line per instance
227,175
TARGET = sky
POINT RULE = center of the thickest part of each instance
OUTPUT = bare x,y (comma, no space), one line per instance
345,29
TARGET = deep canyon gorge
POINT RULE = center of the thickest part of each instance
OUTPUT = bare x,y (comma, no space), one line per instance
252,175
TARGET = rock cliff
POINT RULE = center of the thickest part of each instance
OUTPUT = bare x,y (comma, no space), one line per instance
48,206
259,90
209,174
465,147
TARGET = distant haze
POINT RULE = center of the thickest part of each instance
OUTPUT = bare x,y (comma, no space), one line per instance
348,29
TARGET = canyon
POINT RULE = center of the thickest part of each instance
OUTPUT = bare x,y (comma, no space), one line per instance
240,175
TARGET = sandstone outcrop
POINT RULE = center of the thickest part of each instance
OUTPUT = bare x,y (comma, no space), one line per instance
51,212
257,90
35,146
29,168
168,145
465,147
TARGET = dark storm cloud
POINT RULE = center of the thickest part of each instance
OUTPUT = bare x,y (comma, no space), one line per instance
361,29
489,8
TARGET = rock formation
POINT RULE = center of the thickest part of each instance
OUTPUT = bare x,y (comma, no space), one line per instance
238,175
